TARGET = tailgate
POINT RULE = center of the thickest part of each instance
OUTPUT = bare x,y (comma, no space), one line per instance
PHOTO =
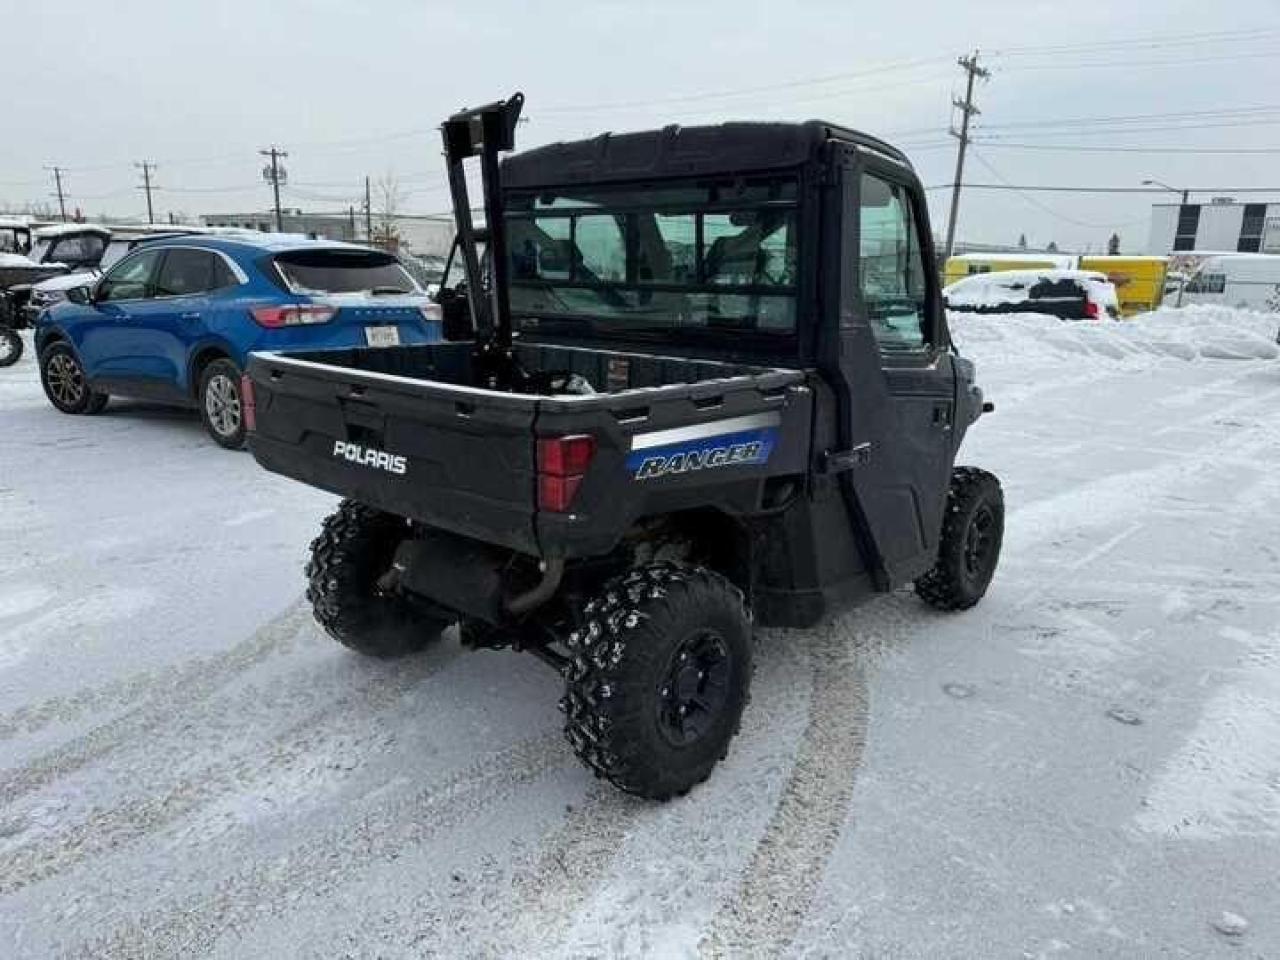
450,456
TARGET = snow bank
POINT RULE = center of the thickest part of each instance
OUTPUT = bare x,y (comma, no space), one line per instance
1200,332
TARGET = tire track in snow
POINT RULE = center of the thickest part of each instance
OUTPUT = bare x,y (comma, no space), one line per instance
270,638
189,684
567,869
773,897
159,800
332,858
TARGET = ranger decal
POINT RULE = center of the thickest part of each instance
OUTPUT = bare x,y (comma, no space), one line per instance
721,443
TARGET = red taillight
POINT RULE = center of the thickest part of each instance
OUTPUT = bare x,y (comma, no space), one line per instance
248,403
566,456
294,315
1091,310
562,463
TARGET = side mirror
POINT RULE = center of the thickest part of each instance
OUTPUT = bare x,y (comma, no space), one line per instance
80,295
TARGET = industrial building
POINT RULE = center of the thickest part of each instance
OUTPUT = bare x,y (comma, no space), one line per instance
1222,225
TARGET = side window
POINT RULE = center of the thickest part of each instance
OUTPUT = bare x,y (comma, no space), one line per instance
185,272
131,278
222,277
891,266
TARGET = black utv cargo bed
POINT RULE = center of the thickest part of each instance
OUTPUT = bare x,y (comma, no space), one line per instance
408,430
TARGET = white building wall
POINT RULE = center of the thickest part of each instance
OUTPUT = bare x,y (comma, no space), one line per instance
1164,223
1219,226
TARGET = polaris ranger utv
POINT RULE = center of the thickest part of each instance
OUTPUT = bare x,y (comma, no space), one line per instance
705,380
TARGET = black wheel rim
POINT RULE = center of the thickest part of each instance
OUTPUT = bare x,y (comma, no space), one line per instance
65,379
8,345
694,688
979,541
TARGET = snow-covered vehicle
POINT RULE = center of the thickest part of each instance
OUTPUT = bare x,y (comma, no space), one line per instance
1248,281
1066,294
58,288
707,383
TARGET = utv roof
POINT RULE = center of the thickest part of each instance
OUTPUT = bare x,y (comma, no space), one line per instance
727,148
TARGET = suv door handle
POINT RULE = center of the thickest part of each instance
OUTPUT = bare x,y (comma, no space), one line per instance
190,316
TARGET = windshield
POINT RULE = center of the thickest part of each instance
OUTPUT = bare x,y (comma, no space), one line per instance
700,256
343,271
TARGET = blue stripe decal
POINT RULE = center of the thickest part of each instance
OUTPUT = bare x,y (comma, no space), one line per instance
726,450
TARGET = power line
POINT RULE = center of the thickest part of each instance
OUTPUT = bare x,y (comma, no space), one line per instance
1027,197
1078,148
1167,40
1052,188
1139,117
1066,63
741,91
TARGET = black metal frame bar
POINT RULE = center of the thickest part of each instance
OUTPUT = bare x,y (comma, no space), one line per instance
485,132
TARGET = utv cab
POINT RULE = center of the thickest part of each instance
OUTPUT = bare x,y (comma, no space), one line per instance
705,383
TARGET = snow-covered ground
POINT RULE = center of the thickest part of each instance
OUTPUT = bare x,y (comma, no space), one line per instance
1088,764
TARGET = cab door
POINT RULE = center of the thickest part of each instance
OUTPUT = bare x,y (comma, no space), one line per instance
896,364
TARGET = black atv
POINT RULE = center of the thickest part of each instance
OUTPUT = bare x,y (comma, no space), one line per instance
708,385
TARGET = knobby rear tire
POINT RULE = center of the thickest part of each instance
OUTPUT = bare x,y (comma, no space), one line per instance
354,549
621,654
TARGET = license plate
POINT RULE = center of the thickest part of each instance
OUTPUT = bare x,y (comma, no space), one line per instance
382,336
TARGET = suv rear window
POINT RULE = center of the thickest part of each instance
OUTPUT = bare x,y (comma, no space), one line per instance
341,271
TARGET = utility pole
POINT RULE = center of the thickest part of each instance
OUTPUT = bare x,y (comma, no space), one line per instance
967,110
368,211
61,194
275,174
146,167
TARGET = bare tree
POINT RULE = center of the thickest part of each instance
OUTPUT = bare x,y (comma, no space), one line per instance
1113,245
387,199
1022,241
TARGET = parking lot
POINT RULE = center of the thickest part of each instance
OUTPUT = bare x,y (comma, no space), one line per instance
1087,764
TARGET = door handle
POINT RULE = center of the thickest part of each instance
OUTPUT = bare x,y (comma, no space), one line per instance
190,316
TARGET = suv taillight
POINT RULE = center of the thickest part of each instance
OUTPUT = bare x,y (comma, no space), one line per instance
562,463
294,315
248,403
1091,309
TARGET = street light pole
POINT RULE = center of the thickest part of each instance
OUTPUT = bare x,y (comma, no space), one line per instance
1157,183
1182,281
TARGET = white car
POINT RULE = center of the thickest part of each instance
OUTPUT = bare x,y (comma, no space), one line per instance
1066,294
54,290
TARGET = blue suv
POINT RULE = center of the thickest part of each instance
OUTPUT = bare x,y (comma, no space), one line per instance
176,319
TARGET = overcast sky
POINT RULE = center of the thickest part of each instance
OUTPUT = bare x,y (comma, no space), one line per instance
350,89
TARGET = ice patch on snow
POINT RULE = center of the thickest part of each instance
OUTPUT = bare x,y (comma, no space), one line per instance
73,620
251,516
18,599
1225,780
